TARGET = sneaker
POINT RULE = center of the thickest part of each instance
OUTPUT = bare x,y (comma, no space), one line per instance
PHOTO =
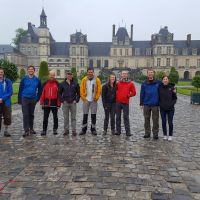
94,132
104,132
26,133
155,137
6,134
165,137
74,133
170,138
55,132
43,133
82,132
32,132
66,132
128,134
146,136
113,132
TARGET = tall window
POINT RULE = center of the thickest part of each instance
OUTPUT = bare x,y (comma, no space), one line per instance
115,52
126,52
148,51
169,50
82,51
120,52
105,63
158,62
91,63
176,62
73,51
58,72
73,62
98,63
194,52
187,62
82,62
168,62
137,51
148,63
159,49
185,52
198,63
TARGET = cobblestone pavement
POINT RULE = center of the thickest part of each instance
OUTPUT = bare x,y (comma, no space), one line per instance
103,167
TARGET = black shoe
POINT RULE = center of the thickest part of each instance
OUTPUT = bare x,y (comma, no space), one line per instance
66,132
94,132
43,133
128,134
74,133
6,134
32,132
146,136
104,132
117,133
26,133
113,132
55,132
82,132
155,137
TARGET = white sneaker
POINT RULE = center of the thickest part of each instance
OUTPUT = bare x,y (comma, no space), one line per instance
170,138
165,138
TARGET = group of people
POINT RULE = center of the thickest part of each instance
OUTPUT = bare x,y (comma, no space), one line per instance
115,95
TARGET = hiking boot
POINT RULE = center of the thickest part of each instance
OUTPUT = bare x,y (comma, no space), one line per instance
74,133
66,132
26,133
128,134
43,133
155,137
6,134
94,132
113,132
117,133
146,136
104,132
55,132
82,132
32,132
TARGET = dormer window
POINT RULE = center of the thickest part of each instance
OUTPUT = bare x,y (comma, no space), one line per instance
194,52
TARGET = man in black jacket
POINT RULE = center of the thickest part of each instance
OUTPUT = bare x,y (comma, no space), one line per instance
69,93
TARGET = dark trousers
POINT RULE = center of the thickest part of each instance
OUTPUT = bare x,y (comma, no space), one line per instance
125,108
47,111
28,108
154,111
5,114
109,110
85,122
167,116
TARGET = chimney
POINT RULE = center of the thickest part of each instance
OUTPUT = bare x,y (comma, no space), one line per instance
29,25
113,30
131,32
189,37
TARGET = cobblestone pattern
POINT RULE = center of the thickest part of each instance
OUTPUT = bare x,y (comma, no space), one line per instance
103,167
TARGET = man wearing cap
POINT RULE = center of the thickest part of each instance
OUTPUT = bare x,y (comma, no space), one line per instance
69,93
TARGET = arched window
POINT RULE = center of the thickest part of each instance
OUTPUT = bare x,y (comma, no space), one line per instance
186,75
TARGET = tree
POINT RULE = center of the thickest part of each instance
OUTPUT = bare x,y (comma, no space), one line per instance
20,32
10,69
82,74
196,82
43,71
159,75
74,72
173,75
22,73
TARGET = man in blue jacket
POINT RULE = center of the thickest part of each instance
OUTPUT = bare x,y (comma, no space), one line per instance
29,94
149,102
6,92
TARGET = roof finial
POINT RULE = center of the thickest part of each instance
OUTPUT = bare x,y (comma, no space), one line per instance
42,4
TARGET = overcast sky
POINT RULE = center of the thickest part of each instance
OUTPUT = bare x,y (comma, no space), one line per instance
95,17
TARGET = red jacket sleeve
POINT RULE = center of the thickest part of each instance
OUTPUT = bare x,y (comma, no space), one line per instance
132,90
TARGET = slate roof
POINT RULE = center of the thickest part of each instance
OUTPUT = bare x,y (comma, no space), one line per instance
99,48
122,34
6,48
59,49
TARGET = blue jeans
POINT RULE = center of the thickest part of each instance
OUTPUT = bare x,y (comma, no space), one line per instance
167,116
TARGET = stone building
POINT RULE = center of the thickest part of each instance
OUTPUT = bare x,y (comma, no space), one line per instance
161,52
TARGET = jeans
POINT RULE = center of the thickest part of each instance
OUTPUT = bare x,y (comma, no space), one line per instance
69,108
28,108
154,110
47,111
109,110
125,108
167,116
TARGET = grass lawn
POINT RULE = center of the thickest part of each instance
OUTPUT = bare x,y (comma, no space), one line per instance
184,83
186,91
15,92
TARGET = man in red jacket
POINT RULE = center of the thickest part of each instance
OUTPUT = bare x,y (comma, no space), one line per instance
50,102
125,90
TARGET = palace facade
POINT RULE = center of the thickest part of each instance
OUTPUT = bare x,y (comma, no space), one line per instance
160,52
